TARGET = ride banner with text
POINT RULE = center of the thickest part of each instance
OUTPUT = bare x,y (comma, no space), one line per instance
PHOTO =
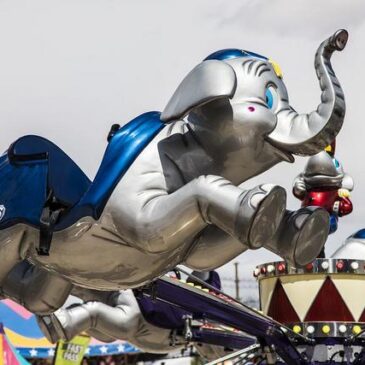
71,352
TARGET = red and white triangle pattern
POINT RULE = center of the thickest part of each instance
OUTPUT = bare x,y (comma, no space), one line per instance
314,298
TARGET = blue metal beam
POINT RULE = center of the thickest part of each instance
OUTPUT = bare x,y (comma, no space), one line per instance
205,305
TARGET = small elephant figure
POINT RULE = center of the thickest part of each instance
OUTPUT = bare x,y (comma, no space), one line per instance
183,199
324,183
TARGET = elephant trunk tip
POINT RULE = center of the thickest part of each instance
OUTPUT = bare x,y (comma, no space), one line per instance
339,40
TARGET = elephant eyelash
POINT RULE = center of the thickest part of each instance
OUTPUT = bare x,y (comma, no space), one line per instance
261,68
247,65
256,67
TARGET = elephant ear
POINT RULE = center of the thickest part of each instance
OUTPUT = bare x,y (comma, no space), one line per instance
208,81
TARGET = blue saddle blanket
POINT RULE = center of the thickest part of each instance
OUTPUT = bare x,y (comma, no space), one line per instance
34,167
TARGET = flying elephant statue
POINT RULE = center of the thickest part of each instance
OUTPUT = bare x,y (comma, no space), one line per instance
148,324
171,186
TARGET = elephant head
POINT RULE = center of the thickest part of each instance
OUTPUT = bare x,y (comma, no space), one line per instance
320,171
238,99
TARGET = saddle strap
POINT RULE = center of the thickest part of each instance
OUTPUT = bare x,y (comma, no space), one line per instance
50,215
47,222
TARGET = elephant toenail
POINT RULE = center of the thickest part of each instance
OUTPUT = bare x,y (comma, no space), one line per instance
299,221
256,199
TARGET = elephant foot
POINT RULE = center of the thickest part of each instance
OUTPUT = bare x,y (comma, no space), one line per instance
313,229
267,203
52,327
301,236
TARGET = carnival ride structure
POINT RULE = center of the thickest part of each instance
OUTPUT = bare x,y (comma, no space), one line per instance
166,193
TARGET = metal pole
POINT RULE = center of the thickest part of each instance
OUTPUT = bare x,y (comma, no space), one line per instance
237,281
241,353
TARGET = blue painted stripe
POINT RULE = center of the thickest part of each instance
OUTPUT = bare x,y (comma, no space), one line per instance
230,53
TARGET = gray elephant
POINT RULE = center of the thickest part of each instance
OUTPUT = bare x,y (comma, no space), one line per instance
183,198
108,316
150,325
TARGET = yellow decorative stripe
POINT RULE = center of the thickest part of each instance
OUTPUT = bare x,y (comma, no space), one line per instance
276,68
21,341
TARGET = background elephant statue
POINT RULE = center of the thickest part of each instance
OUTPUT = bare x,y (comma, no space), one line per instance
183,199
150,325
324,183
353,248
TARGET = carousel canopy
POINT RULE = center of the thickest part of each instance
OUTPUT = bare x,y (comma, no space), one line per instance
8,354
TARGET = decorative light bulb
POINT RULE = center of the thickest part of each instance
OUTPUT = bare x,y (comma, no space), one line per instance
340,265
342,328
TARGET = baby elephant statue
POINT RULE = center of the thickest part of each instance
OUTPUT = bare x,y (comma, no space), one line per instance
323,183
170,188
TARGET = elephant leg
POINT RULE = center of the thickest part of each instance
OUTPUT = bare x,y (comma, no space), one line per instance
11,240
221,246
38,290
119,320
301,235
100,336
250,216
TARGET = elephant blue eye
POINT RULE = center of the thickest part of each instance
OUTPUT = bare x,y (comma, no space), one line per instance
269,98
337,163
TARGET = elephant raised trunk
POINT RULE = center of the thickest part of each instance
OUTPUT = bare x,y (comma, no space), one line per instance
310,133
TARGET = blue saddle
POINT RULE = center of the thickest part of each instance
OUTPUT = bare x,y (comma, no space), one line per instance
37,178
